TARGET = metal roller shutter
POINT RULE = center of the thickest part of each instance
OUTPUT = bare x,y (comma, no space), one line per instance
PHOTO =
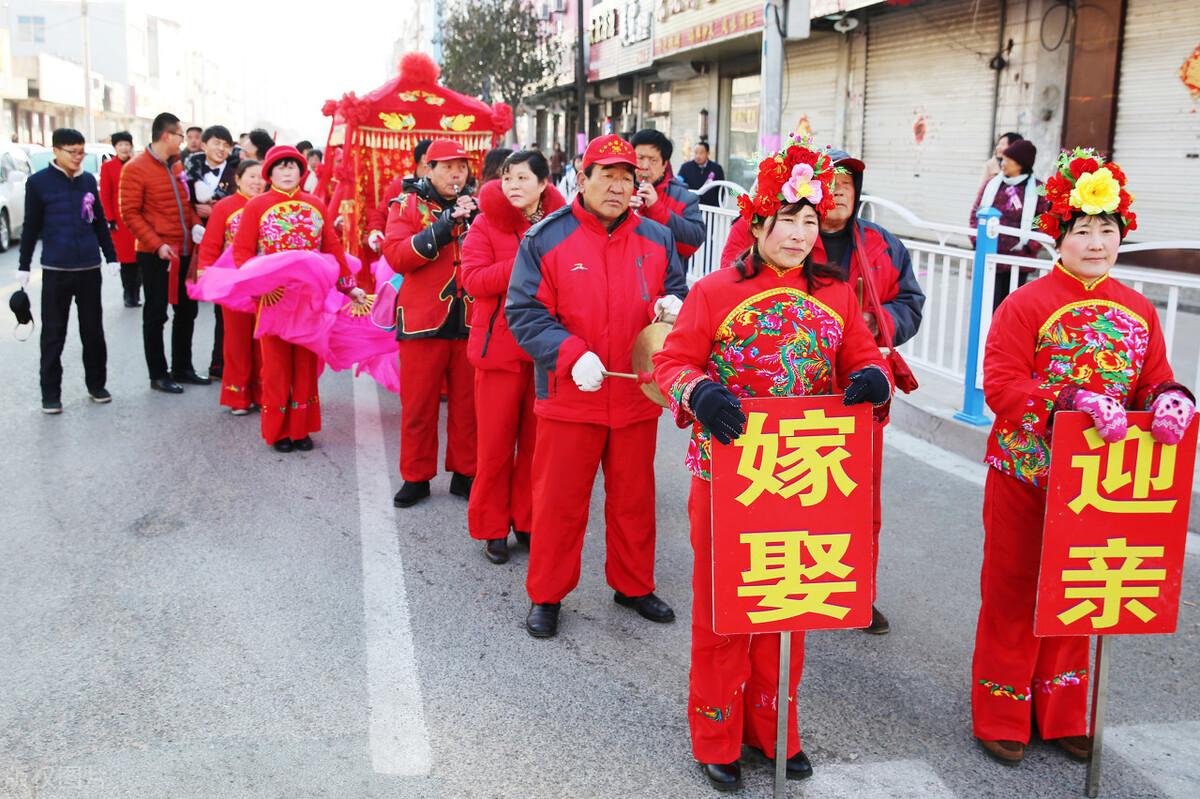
1157,140
810,85
929,105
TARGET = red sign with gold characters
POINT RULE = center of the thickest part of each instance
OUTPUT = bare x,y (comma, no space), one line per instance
1115,531
791,518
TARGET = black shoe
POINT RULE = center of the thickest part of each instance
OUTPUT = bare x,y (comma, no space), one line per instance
304,444
522,538
542,621
496,550
284,445
215,372
648,606
460,485
132,301
190,377
166,385
51,406
723,776
879,623
798,766
100,396
412,492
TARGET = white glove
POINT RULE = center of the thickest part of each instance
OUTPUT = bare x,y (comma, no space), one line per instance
375,241
23,278
667,308
113,268
197,233
202,192
588,372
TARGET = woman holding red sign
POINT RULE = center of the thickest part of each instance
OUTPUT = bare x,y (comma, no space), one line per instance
1075,339
779,325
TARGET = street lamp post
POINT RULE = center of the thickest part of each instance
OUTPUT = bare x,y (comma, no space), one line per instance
88,122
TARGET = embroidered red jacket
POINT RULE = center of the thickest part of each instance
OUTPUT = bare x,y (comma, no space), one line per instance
1056,335
218,233
774,335
276,220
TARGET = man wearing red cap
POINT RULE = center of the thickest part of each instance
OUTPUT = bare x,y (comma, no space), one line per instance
421,242
586,281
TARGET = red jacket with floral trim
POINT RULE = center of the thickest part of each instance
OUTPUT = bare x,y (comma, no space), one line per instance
1053,337
277,220
219,232
488,252
773,335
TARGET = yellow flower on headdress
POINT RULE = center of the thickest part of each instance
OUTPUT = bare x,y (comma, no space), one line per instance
1096,192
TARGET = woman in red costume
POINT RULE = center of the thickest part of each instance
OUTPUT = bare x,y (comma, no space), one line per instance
776,296
1075,339
502,495
240,379
285,218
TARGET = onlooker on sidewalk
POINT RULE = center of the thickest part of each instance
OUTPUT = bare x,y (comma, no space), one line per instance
568,187
63,209
701,170
211,177
194,141
154,205
991,167
558,162
110,182
1014,193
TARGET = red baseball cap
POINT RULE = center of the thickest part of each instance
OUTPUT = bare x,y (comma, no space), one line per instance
282,152
610,149
444,150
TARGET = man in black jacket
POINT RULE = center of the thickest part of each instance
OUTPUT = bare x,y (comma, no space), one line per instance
701,170
62,208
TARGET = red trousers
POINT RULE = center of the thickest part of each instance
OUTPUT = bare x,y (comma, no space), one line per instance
290,405
564,468
734,681
502,495
1014,674
240,376
424,364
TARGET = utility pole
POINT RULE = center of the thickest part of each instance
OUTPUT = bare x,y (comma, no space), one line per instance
770,118
580,74
88,122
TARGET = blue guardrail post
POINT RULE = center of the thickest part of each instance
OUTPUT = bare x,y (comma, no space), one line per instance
985,245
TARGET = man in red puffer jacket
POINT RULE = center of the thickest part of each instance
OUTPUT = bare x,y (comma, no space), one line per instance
502,494
662,198
586,281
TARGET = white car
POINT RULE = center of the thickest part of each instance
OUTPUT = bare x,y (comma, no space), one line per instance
15,169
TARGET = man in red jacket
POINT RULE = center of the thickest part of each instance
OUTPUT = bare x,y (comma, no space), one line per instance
110,182
586,281
662,198
422,243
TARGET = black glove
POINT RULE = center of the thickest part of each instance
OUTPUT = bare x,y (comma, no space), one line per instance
715,407
429,242
867,385
112,226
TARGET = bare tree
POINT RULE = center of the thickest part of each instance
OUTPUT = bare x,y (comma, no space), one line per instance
496,47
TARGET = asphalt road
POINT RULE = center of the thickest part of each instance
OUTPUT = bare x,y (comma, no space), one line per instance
187,613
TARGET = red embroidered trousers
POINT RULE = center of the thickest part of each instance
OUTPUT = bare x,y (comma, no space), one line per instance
734,680
240,376
565,460
424,365
502,495
1016,675
290,405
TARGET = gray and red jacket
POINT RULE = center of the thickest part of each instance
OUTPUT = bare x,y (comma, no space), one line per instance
679,209
578,286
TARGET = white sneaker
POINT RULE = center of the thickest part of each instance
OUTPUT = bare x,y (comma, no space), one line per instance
240,412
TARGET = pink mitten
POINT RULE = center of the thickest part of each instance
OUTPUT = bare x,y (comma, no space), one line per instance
1107,414
1173,412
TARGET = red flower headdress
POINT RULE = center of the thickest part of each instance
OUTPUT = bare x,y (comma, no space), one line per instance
1083,182
795,173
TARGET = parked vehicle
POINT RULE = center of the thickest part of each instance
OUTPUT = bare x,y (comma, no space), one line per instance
15,169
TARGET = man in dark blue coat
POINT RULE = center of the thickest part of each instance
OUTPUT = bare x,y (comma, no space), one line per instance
63,210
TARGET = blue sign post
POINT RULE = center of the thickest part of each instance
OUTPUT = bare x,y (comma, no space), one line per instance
985,245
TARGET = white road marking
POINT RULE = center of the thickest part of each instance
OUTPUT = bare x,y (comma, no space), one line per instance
1168,755
1193,542
897,779
398,735
935,456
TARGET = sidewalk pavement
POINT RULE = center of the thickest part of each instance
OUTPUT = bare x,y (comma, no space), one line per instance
928,414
